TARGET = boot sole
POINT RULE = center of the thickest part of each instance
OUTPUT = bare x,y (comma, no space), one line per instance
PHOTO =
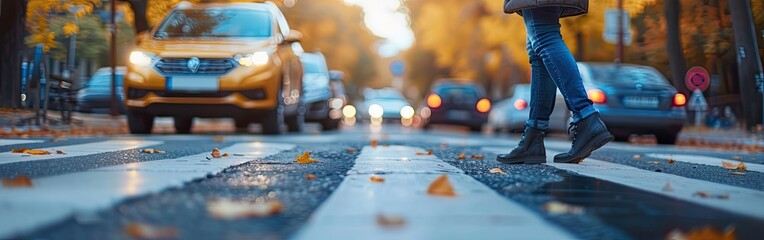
524,160
600,140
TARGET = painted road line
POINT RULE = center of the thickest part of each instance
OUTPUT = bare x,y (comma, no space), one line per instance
741,200
6,142
711,161
477,212
57,197
77,150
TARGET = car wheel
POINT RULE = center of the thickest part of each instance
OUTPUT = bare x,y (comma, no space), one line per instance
139,122
183,124
477,128
328,124
242,124
666,137
296,122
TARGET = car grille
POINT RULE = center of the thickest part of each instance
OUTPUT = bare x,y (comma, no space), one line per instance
206,66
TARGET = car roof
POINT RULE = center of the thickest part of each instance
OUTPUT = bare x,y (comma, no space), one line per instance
247,5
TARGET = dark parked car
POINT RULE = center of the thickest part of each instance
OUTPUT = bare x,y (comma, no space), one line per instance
95,96
336,102
457,102
316,92
634,99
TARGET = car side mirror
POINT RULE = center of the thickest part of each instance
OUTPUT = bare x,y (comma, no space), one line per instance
293,36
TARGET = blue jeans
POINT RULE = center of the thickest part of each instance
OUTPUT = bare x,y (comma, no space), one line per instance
552,67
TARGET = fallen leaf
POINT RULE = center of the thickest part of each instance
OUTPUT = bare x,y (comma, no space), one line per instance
671,161
737,173
37,152
558,208
441,187
705,233
310,176
496,171
217,138
19,150
225,154
152,150
390,221
636,156
376,178
216,153
351,150
305,158
374,143
461,157
60,152
708,195
145,231
478,156
227,209
732,166
429,152
443,145
17,181
654,162
667,188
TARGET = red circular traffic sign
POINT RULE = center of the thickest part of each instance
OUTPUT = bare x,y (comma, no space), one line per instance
697,78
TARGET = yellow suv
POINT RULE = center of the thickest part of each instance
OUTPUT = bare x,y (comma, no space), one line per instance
217,60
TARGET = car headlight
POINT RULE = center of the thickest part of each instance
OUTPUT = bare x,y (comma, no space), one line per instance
142,59
407,112
376,111
255,59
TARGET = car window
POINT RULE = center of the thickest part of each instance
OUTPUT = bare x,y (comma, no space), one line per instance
104,80
216,22
465,92
626,74
313,67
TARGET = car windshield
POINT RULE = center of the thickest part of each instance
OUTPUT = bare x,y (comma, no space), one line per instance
215,22
103,81
626,74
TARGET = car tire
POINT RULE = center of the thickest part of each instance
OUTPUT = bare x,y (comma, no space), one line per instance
476,128
183,124
242,124
296,122
139,122
667,137
328,124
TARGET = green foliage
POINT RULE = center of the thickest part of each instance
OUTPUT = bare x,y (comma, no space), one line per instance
91,40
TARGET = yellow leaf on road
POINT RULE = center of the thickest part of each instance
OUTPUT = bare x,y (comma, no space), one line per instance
390,221
310,176
496,171
557,208
374,143
732,166
376,178
145,231
227,209
19,150
705,233
37,152
441,187
461,156
429,152
18,181
305,158
351,150
478,156
737,173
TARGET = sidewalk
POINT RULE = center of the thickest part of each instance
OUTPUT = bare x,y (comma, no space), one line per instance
19,123
721,139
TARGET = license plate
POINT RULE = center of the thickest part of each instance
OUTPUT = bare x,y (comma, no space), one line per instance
640,102
458,115
192,83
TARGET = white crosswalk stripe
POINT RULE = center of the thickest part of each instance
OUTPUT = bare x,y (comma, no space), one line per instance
6,142
77,150
56,197
477,212
739,199
705,160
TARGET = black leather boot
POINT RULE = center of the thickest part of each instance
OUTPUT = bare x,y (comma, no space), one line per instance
529,150
589,134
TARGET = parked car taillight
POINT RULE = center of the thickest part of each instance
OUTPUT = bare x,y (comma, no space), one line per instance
434,101
520,104
597,96
484,105
679,100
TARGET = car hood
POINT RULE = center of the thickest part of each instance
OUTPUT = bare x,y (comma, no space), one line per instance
205,48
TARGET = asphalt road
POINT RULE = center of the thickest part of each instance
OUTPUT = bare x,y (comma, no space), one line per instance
103,185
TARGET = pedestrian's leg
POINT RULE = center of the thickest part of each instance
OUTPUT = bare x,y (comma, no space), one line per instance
543,25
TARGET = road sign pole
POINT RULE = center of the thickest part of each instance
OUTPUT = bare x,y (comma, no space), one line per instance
113,58
619,55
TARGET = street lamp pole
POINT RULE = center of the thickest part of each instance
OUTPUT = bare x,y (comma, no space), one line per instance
113,57
619,51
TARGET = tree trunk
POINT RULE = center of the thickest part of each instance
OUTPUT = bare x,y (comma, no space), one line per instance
749,62
674,45
12,15
139,9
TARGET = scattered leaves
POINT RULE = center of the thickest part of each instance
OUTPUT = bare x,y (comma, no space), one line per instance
216,153
351,150
705,233
17,181
60,152
231,210
390,221
374,143
376,178
429,152
310,176
305,158
670,161
667,188
461,156
441,187
152,150
732,166
636,156
496,171
558,208
737,173
709,195
477,156
225,154
145,231
19,150
37,152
